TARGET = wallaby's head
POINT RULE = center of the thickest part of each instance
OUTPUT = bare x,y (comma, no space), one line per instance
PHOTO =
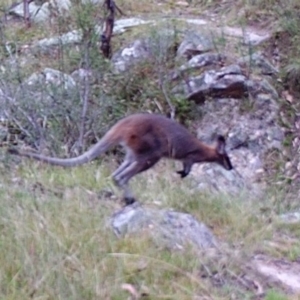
222,157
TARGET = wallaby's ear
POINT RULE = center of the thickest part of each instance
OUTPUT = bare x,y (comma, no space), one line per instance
221,144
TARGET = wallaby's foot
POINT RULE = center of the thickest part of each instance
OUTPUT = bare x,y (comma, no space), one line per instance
128,197
129,200
182,173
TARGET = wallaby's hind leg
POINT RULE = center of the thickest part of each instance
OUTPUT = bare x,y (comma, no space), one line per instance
129,158
117,176
123,176
128,196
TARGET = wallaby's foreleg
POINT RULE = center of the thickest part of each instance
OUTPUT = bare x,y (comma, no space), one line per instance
187,166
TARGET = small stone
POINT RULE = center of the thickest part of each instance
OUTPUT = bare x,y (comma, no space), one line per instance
182,3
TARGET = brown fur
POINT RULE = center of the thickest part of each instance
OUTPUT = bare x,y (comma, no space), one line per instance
146,138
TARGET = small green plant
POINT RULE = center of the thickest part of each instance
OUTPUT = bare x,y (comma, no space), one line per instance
275,295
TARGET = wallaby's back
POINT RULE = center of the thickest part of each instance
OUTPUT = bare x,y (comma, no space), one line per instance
142,132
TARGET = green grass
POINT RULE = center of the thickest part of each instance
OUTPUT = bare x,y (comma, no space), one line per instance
274,295
56,247
56,242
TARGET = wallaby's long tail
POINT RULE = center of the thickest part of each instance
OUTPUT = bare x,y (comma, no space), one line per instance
103,145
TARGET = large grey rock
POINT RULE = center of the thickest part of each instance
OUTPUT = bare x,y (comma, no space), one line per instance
195,43
281,272
247,34
156,48
52,78
290,217
226,82
121,25
169,228
198,62
37,13
48,87
69,38
80,75
257,60
135,52
74,37
256,87
40,13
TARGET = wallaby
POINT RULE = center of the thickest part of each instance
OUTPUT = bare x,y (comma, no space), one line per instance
146,138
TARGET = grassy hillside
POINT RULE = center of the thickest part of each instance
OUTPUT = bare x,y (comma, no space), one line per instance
56,242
